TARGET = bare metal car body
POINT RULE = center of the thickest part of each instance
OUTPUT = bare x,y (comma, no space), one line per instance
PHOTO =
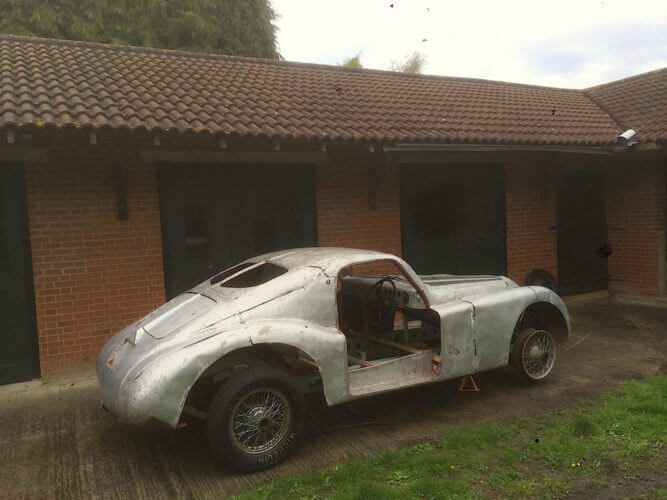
147,370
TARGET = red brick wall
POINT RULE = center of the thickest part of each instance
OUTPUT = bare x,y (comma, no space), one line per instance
530,205
345,220
343,216
93,273
635,227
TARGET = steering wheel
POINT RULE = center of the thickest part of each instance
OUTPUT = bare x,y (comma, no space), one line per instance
385,298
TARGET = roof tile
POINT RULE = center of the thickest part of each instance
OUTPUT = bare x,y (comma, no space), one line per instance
55,82
638,102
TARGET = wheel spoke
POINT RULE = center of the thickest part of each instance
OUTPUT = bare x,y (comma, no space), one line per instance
538,354
260,420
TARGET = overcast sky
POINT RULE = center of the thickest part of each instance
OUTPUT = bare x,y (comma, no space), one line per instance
562,43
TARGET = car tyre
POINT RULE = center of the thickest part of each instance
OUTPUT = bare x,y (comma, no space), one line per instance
255,419
534,353
540,277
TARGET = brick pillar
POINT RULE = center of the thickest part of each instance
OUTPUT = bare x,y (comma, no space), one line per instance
636,228
344,218
530,207
93,273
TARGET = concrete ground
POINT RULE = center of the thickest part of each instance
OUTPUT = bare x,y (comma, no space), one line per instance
56,440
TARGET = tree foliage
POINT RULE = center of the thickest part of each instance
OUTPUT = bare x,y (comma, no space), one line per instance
233,27
413,63
353,62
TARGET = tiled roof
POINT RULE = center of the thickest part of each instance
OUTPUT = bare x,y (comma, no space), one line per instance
638,102
61,83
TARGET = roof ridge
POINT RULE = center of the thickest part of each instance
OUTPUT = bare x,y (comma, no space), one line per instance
257,60
605,110
626,79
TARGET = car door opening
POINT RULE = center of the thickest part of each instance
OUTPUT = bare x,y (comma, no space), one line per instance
386,319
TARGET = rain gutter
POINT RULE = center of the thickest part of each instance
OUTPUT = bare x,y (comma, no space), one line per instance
436,148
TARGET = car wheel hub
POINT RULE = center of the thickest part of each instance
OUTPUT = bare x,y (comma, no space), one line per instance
260,420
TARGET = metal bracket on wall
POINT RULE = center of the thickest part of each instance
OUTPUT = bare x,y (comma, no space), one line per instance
121,194
377,174
372,188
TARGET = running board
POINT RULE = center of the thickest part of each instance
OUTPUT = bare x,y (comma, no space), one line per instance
402,372
403,347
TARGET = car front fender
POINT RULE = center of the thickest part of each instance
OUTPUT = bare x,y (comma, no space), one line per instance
496,315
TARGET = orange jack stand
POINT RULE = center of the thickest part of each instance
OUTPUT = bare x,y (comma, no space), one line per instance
468,384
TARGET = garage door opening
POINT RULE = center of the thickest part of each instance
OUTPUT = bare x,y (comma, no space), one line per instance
453,218
216,216
582,233
18,332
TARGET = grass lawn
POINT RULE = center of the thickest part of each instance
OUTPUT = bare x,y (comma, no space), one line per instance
614,443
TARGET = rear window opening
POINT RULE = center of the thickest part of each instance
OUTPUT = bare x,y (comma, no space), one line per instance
230,272
254,276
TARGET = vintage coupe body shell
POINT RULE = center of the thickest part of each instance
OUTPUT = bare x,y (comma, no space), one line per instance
147,369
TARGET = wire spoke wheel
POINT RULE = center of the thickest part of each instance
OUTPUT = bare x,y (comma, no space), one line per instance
260,420
538,354
255,419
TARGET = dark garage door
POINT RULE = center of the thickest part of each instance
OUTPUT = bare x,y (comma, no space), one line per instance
582,231
453,218
18,354
215,216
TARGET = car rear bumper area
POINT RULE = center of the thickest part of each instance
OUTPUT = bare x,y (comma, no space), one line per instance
117,372
111,386
137,382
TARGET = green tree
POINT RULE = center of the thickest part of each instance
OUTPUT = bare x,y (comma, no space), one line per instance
413,63
353,62
234,27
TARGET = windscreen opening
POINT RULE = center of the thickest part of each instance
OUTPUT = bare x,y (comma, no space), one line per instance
253,277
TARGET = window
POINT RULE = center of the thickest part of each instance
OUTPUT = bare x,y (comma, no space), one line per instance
4,243
432,215
376,268
196,231
230,272
4,251
255,276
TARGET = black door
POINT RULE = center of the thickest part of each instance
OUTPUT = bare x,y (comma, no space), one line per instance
453,218
216,216
18,354
582,232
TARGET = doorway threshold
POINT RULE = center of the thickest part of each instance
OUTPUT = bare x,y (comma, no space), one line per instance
585,297
21,386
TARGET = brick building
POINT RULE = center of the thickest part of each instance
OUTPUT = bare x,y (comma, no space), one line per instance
127,175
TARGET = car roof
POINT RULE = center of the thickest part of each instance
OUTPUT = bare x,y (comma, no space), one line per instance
327,258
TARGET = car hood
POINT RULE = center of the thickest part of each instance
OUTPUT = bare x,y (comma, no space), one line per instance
445,287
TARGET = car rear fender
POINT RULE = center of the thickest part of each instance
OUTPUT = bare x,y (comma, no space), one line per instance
166,382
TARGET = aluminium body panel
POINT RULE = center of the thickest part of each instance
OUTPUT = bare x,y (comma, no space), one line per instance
145,376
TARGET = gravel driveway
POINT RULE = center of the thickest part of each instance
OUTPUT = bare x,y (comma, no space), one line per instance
57,441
